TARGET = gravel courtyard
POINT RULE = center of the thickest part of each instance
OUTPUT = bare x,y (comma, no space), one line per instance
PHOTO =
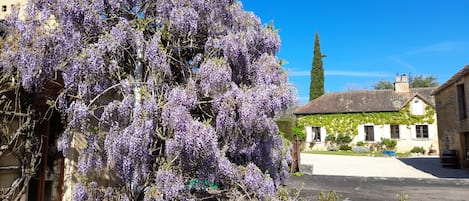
380,178
427,167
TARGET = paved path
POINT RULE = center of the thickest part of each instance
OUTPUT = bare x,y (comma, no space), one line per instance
379,188
364,166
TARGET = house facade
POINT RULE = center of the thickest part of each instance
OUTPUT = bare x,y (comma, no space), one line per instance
452,109
404,114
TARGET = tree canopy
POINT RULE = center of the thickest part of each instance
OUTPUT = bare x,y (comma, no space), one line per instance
422,81
419,81
164,92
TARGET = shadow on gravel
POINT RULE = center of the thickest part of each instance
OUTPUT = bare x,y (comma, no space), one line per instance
432,166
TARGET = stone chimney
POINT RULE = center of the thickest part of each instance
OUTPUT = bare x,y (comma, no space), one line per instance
401,85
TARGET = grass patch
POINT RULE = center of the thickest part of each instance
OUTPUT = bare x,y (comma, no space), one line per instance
350,153
298,174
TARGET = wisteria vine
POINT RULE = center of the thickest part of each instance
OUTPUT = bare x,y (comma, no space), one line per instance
202,111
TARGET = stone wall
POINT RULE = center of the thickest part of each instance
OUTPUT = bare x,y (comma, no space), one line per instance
450,128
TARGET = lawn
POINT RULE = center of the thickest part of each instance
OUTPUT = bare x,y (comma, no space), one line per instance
350,153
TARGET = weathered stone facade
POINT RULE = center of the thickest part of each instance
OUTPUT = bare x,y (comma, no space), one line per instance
453,125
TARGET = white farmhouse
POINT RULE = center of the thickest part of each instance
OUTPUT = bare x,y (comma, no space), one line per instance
405,114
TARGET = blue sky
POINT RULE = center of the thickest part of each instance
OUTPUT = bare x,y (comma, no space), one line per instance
367,40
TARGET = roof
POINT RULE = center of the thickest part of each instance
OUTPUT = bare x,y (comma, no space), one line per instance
365,101
461,73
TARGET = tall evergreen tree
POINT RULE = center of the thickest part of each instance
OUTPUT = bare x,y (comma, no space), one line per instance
316,88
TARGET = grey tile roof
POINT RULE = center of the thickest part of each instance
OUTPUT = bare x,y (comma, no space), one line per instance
364,101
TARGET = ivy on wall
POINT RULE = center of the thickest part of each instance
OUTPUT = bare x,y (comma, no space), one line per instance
347,123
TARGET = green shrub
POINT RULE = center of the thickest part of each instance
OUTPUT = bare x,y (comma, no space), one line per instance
330,138
360,144
345,147
343,139
285,126
298,131
389,143
417,150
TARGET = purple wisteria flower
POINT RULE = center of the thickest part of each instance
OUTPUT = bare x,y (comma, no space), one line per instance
165,92
80,193
184,20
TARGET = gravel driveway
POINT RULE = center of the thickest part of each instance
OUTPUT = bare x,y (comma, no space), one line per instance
365,166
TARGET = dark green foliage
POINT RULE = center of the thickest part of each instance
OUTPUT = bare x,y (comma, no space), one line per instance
343,139
345,147
360,144
298,131
389,143
316,88
285,127
419,81
289,131
383,84
418,150
330,138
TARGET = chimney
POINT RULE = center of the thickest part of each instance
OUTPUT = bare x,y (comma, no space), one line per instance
401,85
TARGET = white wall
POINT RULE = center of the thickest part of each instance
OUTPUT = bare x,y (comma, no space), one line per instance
309,134
417,106
407,133
321,145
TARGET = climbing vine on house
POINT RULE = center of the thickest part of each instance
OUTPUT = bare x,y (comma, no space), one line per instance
348,123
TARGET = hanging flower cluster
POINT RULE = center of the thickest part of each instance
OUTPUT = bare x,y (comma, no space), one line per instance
163,91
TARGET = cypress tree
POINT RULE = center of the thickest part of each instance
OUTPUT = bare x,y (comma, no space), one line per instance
316,88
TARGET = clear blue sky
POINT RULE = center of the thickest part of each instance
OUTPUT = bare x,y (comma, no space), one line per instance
368,40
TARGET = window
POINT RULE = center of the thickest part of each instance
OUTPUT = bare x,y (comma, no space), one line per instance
317,134
4,8
461,101
369,133
395,131
421,131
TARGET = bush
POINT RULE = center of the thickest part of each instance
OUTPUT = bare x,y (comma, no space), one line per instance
286,127
330,138
298,131
345,147
389,143
343,139
418,150
361,149
360,143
